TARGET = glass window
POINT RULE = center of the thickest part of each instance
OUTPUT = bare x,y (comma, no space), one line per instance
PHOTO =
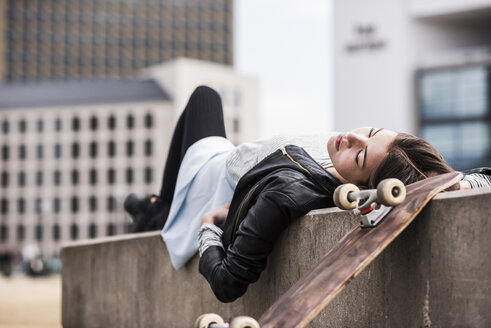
57,205
93,176
40,125
5,179
21,205
92,230
21,232
39,151
111,229
75,124
75,177
4,206
93,149
111,176
74,204
236,125
129,175
111,204
75,150
22,126
129,148
39,178
39,205
111,122
93,204
94,123
57,177
56,232
57,150
22,152
5,152
148,121
58,125
111,148
21,179
4,233
5,127
148,175
148,147
39,232
130,121
73,231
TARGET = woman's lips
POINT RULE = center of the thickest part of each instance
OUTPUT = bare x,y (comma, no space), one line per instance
338,141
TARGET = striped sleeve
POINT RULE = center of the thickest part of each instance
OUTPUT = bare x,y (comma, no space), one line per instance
478,180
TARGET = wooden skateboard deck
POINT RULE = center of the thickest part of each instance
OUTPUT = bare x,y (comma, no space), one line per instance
313,292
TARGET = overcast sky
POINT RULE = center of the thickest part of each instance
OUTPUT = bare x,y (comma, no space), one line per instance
285,44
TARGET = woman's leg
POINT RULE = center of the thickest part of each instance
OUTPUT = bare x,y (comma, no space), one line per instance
202,117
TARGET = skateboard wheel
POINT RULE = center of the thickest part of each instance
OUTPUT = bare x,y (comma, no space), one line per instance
243,322
341,199
205,320
391,192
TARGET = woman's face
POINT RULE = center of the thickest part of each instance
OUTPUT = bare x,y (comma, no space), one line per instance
356,154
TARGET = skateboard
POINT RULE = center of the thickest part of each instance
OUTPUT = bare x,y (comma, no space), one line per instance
213,320
384,213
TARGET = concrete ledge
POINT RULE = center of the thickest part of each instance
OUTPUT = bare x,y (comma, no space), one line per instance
436,273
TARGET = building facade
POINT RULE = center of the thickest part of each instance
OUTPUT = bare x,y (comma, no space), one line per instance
416,66
69,39
71,152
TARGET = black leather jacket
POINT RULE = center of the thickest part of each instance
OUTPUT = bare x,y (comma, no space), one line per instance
284,186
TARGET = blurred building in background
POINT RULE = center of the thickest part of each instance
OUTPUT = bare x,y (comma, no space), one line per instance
68,39
417,66
71,151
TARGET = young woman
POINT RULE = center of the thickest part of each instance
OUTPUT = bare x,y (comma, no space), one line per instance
231,203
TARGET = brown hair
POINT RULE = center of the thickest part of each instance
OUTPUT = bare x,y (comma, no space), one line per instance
409,159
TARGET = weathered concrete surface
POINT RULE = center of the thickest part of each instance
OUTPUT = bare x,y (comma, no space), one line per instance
437,273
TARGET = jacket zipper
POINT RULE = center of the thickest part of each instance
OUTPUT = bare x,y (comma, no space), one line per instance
240,210
283,150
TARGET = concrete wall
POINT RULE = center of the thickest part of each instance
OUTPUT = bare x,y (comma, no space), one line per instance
436,273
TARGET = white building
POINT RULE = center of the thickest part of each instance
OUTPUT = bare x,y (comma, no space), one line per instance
71,151
417,66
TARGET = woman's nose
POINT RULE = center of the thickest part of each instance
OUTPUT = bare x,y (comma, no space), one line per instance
355,139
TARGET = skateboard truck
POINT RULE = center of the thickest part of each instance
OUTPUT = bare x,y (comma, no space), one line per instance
372,204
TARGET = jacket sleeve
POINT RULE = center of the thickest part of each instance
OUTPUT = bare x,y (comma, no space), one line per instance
229,273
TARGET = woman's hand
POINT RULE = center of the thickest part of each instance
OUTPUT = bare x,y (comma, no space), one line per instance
216,216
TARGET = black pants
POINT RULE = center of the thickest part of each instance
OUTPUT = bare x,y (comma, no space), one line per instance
202,117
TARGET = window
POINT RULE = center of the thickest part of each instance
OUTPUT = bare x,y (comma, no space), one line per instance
148,121
75,150
56,232
39,178
57,150
23,126
111,122
5,152
74,231
39,232
93,149
92,230
4,179
129,148
58,125
22,152
111,148
5,127
111,204
21,205
4,233
236,125
57,205
148,175
94,123
148,147
21,232
4,206
111,176
40,125
111,229
21,179
39,205
93,204
74,204
57,177
93,176
39,151
130,122
129,176
75,124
